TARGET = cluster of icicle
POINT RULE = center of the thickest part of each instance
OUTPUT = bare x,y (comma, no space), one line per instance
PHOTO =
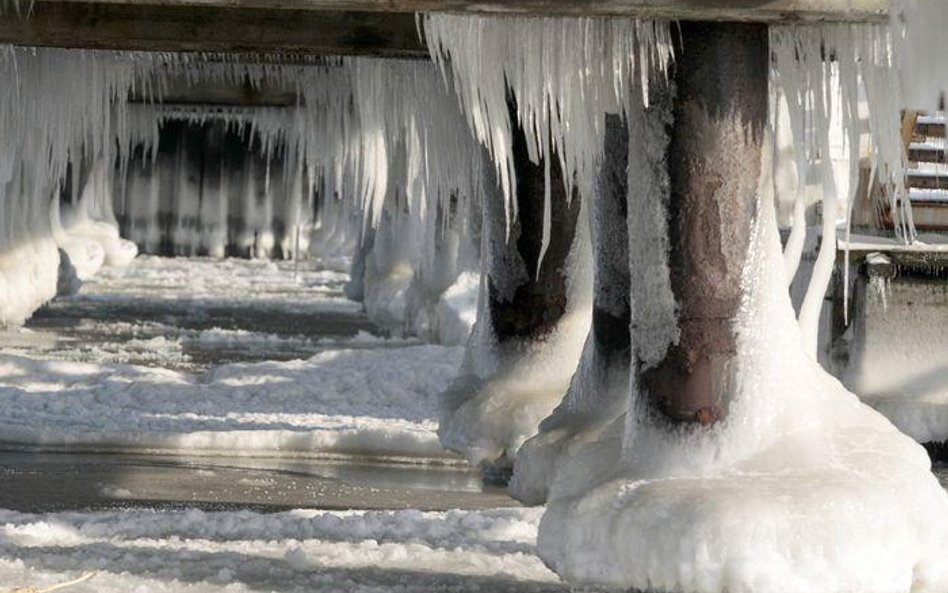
563,75
362,131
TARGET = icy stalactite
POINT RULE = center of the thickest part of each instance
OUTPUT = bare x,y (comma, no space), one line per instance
336,145
563,74
821,73
418,185
48,113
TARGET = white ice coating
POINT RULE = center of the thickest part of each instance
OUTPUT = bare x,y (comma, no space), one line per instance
563,73
506,387
819,75
362,131
425,200
801,488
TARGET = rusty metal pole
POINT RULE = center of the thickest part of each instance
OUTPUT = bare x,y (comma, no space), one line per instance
714,163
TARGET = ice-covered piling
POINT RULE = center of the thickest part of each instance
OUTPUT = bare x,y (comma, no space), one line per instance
714,168
532,314
598,391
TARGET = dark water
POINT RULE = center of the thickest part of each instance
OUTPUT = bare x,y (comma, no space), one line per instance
42,482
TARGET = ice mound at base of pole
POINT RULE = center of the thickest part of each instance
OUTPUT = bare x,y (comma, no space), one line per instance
488,415
117,252
801,489
28,275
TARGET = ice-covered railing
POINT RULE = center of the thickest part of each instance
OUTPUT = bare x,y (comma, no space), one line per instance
813,67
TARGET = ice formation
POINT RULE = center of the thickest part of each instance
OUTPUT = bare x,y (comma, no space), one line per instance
365,137
190,551
634,504
802,488
531,86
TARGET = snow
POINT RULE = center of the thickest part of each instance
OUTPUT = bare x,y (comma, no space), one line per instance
356,394
202,283
801,488
379,402
190,551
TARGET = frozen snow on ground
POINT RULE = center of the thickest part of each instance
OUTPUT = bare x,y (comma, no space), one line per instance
300,551
374,402
207,281
354,394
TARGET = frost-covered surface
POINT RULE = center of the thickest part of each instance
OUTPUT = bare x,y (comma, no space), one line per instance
205,282
299,551
802,488
188,314
353,392
379,402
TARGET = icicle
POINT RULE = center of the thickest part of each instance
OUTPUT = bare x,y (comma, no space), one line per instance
564,74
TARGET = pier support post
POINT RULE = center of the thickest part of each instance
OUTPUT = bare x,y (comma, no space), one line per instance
720,111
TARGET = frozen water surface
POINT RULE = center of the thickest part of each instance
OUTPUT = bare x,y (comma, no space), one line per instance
119,367
127,366
190,313
187,524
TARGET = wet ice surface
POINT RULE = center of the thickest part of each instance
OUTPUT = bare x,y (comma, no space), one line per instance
42,482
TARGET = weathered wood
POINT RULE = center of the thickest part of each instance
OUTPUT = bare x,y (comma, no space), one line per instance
714,166
178,27
717,10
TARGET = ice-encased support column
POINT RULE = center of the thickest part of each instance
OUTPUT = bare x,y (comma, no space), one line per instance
527,305
714,167
598,391
532,314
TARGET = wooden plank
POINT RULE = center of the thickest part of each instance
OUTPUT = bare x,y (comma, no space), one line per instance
928,155
718,10
176,27
926,181
931,130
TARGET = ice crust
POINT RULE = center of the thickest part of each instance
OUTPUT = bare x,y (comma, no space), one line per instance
190,551
378,402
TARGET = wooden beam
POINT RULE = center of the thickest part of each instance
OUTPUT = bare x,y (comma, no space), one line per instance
717,10
180,27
